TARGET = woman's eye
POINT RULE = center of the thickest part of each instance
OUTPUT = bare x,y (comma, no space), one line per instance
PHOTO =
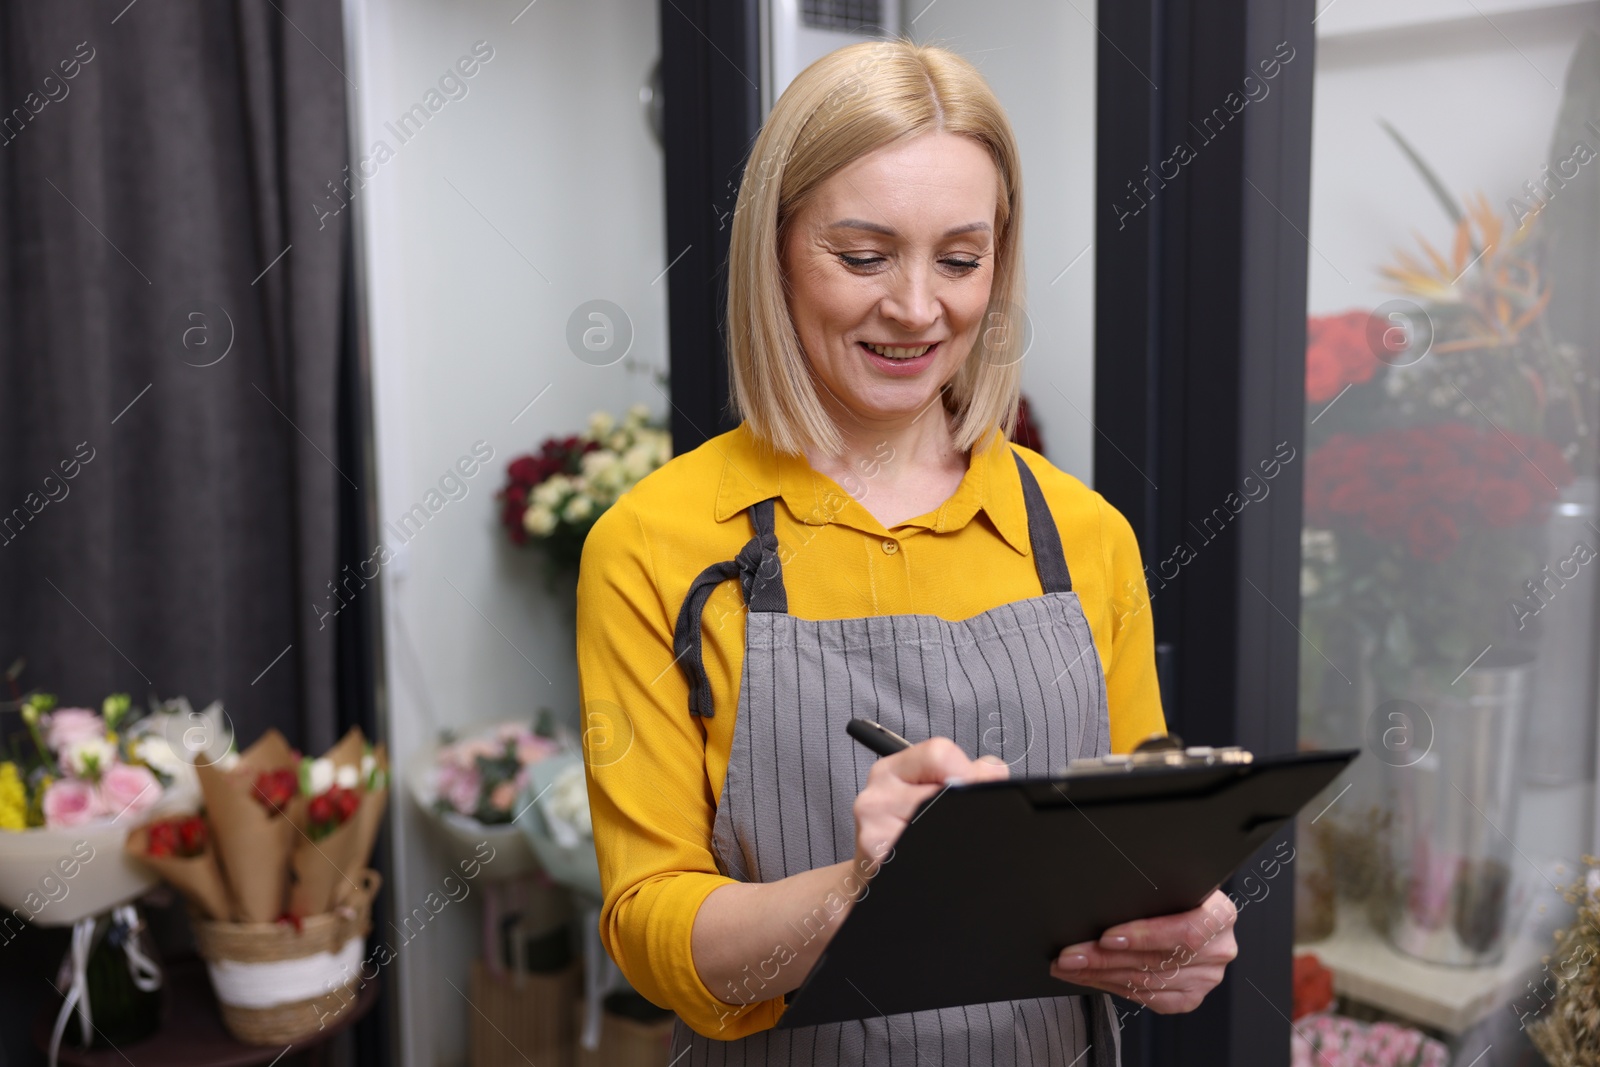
963,264
859,261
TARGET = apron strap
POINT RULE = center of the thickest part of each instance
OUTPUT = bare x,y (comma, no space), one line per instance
1048,555
1103,1036
760,574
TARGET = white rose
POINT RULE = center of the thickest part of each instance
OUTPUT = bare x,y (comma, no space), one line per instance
600,424
321,775
638,461
346,777
638,413
597,462
549,492
538,520
618,441
157,754
578,508
89,757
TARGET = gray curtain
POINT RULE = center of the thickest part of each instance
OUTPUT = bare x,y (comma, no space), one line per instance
168,512
174,277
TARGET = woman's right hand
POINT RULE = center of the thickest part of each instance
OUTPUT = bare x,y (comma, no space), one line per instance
898,784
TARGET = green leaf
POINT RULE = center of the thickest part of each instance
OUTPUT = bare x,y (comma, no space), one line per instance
1437,187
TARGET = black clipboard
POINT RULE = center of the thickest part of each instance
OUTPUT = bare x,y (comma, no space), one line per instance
991,880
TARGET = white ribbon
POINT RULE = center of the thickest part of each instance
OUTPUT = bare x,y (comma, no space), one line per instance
142,969
77,964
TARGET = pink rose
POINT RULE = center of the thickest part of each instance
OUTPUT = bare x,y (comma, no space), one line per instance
70,802
126,789
460,787
503,796
67,725
534,748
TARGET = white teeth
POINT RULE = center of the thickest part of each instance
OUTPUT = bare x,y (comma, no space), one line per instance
898,353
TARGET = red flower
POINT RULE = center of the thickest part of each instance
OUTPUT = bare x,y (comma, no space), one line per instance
525,470
1387,514
1339,352
1454,485
184,838
274,789
330,810
1432,534
1503,502
1313,985
192,835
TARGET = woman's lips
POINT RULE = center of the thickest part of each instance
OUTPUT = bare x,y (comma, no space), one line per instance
914,365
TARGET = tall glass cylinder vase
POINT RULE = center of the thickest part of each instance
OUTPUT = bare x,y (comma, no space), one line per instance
1452,759
1560,604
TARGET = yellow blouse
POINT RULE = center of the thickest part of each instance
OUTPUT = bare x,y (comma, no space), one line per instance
655,771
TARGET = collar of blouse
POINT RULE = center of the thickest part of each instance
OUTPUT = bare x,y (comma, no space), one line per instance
752,472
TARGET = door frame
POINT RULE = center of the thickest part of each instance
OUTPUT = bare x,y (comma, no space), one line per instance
1200,315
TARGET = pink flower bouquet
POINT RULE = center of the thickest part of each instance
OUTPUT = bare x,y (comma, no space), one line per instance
1335,1041
471,785
67,805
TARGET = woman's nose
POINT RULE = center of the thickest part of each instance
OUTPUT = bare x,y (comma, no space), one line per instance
913,300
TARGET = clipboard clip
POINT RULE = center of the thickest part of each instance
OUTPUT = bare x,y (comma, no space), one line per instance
1160,750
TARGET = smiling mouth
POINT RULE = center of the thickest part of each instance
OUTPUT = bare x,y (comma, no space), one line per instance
897,351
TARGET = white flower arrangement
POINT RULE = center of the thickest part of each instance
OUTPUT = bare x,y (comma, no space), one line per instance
555,495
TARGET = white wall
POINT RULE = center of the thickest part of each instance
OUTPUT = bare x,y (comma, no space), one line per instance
1477,98
539,190
1039,56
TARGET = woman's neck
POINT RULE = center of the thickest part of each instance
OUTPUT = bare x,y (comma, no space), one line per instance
896,471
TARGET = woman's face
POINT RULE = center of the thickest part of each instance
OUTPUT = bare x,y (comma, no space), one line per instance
889,269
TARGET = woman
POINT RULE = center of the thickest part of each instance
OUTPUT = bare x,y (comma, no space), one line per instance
897,560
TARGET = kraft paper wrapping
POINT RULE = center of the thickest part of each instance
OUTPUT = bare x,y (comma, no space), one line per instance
198,878
253,842
367,821
318,867
328,872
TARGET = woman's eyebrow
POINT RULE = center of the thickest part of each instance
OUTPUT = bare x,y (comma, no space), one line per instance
889,231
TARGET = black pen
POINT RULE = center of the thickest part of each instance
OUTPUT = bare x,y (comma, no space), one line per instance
880,739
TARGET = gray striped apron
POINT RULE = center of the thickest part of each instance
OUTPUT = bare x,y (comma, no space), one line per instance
1022,681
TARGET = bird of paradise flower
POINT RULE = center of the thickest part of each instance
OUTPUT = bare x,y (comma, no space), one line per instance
1486,289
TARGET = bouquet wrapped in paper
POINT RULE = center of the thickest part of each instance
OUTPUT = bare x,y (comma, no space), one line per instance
283,835
342,795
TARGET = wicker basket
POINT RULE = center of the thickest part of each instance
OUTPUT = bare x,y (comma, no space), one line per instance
276,985
628,1043
526,1019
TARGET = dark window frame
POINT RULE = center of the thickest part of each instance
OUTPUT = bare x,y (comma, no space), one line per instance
1200,314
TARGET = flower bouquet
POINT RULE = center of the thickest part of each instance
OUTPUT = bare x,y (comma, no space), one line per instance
554,496
276,876
1430,530
471,788
554,816
1335,1041
68,799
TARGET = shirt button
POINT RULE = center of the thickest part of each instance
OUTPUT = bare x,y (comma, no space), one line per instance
891,546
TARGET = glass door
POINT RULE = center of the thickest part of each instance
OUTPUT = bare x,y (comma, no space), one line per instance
1450,545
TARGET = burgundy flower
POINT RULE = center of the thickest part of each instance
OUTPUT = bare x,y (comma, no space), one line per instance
1432,534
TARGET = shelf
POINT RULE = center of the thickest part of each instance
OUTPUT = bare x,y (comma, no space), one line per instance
1452,999
1338,18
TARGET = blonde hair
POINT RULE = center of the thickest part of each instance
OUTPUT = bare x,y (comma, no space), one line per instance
847,104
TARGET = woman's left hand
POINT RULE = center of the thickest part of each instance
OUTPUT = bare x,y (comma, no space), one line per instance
1168,963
